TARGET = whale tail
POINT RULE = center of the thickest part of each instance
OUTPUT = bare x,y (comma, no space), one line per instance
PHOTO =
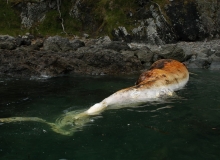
66,124
21,119
33,119
75,120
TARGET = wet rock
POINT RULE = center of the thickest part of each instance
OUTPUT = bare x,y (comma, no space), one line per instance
216,49
198,63
103,40
215,65
23,41
215,62
172,51
38,43
203,54
6,38
86,60
117,46
7,45
145,55
128,54
57,44
75,44
7,42
100,56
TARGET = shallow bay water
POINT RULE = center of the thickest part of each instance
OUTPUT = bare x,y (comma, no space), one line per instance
186,126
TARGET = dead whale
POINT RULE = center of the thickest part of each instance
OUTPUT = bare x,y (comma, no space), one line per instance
164,77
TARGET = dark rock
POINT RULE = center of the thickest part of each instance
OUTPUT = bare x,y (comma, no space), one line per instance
216,49
215,65
145,56
103,40
185,21
86,60
215,62
32,13
209,18
117,46
38,43
57,44
19,41
32,47
108,61
100,56
154,22
142,3
207,51
75,44
6,38
150,27
172,51
198,63
128,54
218,54
7,45
23,41
121,34
7,42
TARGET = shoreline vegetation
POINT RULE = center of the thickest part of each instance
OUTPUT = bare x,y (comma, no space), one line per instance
148,21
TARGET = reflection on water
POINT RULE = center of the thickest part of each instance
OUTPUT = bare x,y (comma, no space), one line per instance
184,127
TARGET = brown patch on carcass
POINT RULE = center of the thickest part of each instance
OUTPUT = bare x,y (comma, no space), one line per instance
163,72
160,64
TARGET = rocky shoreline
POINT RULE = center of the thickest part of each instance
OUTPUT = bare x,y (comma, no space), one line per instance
28,56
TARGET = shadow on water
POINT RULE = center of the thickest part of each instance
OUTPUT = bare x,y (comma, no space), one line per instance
185,127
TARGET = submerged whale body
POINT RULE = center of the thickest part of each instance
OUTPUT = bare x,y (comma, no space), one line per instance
163,78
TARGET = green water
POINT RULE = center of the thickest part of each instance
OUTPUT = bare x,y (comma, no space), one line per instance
184,128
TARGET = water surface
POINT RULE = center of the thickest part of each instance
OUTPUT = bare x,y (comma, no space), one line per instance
184,127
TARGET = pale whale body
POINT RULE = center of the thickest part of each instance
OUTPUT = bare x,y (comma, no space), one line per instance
162,79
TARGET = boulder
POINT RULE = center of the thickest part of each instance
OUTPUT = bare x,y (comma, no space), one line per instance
216,49
7,45
75,44
6,38
23,41
145,56
198,63
128,54
215,62
27,62
107,61
103,40
215,65
57,44
172,51
117,46
7,42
